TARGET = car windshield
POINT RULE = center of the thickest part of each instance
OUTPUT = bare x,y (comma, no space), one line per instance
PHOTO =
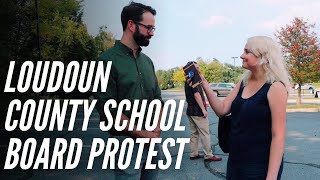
230,86
213,84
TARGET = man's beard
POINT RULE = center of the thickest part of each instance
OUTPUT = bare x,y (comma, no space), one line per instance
140,39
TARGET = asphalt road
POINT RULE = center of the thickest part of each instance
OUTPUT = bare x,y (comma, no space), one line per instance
302,159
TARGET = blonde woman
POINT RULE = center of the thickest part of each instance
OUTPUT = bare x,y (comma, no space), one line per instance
258,108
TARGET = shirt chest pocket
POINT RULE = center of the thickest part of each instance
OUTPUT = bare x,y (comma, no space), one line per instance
128,80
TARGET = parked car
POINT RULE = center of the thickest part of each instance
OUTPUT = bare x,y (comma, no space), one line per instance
306,86
222,89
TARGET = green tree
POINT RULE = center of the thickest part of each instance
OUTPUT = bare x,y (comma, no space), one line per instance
162,79
63,35
300,46
165,78
232,73
104,40
215,71
212,71
178,77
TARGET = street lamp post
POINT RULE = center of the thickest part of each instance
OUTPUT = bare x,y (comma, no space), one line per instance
234,60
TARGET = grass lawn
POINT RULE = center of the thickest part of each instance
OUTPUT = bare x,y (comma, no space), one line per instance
316,85
303,106
176,89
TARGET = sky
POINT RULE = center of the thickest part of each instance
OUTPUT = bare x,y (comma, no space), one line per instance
188,29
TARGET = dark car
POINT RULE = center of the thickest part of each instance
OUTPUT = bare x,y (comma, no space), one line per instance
222,89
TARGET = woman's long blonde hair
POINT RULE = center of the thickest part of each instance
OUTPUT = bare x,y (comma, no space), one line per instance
270,58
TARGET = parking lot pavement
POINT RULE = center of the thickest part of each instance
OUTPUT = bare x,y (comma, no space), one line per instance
301,153
300,160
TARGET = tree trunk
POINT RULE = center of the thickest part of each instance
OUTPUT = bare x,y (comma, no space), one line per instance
299,95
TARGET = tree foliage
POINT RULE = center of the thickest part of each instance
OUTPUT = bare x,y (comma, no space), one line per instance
104,40
301,49
213,71
178,76
300,46
166,78
63,34
232,73
163,78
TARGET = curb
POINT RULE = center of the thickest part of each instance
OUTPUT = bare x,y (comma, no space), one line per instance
304,110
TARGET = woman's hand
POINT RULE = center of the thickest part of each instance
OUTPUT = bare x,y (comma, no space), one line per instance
203,79
188,79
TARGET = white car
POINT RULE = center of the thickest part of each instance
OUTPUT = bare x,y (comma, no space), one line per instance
222,89
306,86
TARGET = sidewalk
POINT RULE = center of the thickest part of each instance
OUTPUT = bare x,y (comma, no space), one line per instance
305,99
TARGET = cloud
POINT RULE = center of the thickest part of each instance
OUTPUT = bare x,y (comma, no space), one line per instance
213,21
284,2
308,11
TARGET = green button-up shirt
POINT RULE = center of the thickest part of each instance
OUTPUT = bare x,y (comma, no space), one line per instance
130,78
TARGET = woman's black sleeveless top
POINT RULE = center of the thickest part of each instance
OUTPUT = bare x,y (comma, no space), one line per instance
250,135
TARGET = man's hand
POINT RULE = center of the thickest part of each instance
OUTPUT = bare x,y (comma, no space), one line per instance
157,131
145,134
205,113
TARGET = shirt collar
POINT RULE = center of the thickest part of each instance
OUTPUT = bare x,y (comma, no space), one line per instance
125,48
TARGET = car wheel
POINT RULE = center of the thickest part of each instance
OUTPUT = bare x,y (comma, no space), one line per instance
216,93
311,90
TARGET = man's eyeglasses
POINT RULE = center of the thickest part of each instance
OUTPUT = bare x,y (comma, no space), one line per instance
149,28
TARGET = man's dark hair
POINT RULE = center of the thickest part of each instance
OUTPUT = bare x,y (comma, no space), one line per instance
190,62
134,12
